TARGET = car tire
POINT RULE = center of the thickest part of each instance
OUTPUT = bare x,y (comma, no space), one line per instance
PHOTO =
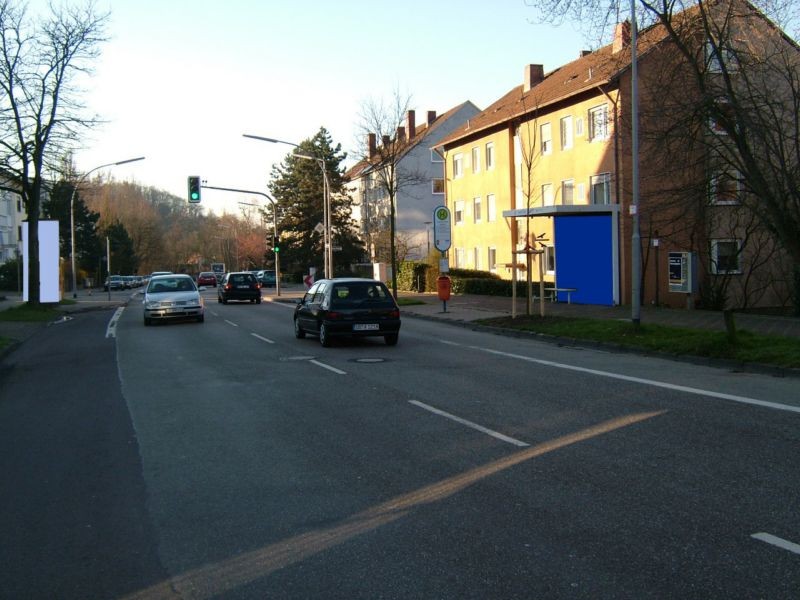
224,301
201,318
324,336
391,339
219,299
258,300
146,322
298,331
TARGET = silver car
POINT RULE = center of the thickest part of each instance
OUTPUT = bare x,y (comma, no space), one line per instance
172,297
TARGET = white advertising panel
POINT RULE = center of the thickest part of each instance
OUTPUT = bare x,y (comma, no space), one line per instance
49,289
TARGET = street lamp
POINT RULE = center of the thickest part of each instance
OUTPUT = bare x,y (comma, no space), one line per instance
72,215
326,200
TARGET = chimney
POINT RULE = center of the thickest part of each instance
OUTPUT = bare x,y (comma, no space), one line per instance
401,134
431,117
622,36
411,124
534,75
386,141
371,149
585,53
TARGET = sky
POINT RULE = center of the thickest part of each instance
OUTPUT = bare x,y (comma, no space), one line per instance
180,81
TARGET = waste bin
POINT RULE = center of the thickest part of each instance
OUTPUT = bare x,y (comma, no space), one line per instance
443,287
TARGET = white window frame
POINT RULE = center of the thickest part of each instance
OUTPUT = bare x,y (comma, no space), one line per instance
476,160
458,165
458,212
568,189
476,209
600,179
580,193
436,157
548,197
476,258
565,132
546,137
491,258
459,258
713,64
715,244
549,257
716,192
433,186
598,123
491,208
489,156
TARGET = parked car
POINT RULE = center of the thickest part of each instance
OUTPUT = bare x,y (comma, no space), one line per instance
172,297
347,307
239,285
114,282
207,278
266,277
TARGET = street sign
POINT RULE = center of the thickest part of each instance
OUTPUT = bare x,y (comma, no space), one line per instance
441,228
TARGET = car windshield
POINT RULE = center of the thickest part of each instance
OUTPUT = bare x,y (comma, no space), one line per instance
168,285
355,294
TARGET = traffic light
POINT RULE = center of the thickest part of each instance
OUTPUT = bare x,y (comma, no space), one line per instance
276,249
194,188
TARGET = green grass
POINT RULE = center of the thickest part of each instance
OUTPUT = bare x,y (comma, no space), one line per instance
409,302
749,347
24,312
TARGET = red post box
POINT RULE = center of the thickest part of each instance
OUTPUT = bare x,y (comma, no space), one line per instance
443,287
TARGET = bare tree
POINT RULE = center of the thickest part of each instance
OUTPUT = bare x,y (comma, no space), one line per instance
41,116
739,101
382,144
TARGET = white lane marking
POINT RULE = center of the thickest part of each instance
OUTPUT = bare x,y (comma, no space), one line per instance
263,339
231,323
284,304
330,368
651,382
481,428
111,330
776,541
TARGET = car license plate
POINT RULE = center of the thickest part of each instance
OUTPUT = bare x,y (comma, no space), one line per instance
366,327
242,287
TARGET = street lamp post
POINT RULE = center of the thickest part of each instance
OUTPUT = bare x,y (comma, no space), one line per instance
72,215
326,200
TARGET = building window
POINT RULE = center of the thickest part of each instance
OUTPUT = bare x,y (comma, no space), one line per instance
491,208
476,160
724,111
459,212
547,194
492,259
458,165
566,133
489,155
460,258
437,186
436,157
579,127
720,57
568,192
476,209
598,123
550,260
476,254
725,257
600,188
547,138
580,193
726,188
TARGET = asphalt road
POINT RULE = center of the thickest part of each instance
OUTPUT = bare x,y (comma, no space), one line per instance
230,460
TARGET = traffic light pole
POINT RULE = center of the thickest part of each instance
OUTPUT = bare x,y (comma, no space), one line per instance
275,250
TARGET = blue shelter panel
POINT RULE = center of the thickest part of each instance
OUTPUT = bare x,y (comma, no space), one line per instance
584,258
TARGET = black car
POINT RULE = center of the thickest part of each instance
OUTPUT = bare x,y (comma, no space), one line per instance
347,307
240,285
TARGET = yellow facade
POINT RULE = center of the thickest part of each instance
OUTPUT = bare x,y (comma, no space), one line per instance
534,166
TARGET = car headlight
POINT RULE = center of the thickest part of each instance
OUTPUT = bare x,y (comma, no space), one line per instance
155,304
